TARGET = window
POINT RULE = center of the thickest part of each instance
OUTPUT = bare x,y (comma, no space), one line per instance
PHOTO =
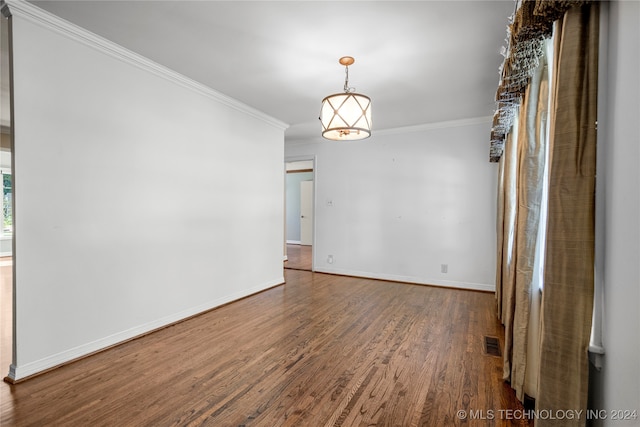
7,214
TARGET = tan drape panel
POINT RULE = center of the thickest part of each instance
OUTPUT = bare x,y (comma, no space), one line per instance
505,280
567,298
530,170
499,236
508,294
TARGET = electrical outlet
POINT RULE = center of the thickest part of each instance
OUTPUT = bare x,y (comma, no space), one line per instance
444,268
330,259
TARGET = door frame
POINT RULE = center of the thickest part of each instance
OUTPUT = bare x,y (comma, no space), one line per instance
300,158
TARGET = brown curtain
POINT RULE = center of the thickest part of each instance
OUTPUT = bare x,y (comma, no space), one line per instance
567,298
530,171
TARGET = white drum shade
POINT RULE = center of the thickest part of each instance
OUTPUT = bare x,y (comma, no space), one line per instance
346,117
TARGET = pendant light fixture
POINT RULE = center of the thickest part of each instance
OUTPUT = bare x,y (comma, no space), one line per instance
346,116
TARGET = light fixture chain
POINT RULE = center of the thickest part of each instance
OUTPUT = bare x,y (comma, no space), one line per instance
347,89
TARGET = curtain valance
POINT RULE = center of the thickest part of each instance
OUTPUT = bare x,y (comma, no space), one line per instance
531,24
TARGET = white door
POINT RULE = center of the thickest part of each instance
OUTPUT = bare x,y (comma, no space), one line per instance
306,213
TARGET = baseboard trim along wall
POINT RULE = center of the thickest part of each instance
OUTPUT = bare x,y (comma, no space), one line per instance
484,287
22,372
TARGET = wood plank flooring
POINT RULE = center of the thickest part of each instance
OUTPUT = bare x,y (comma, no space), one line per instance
298,257
320,350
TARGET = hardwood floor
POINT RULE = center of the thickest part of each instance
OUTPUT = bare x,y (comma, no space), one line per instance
298,257
320,350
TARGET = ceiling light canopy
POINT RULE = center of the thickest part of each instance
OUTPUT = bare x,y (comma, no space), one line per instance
346,116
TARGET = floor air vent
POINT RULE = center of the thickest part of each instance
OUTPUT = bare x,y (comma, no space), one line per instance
492,346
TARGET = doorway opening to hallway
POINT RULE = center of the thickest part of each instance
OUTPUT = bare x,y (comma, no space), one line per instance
299,221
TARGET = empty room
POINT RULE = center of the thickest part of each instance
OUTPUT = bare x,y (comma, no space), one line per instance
320,213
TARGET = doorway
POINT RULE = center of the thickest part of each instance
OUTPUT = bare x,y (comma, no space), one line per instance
299,213
6,227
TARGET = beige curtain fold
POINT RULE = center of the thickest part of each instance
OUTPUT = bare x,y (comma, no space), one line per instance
508,291
499,236
505,274
528,163
567,298
531,165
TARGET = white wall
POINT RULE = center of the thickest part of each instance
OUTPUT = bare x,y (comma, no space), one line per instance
131,211
617,385
400,204
298,166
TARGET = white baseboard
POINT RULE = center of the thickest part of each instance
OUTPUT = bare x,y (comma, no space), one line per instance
410,279
16,373
294,242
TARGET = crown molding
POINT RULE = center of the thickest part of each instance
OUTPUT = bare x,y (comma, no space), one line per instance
436,125
47,20
400,130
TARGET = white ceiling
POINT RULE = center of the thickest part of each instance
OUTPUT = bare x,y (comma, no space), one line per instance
419,61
